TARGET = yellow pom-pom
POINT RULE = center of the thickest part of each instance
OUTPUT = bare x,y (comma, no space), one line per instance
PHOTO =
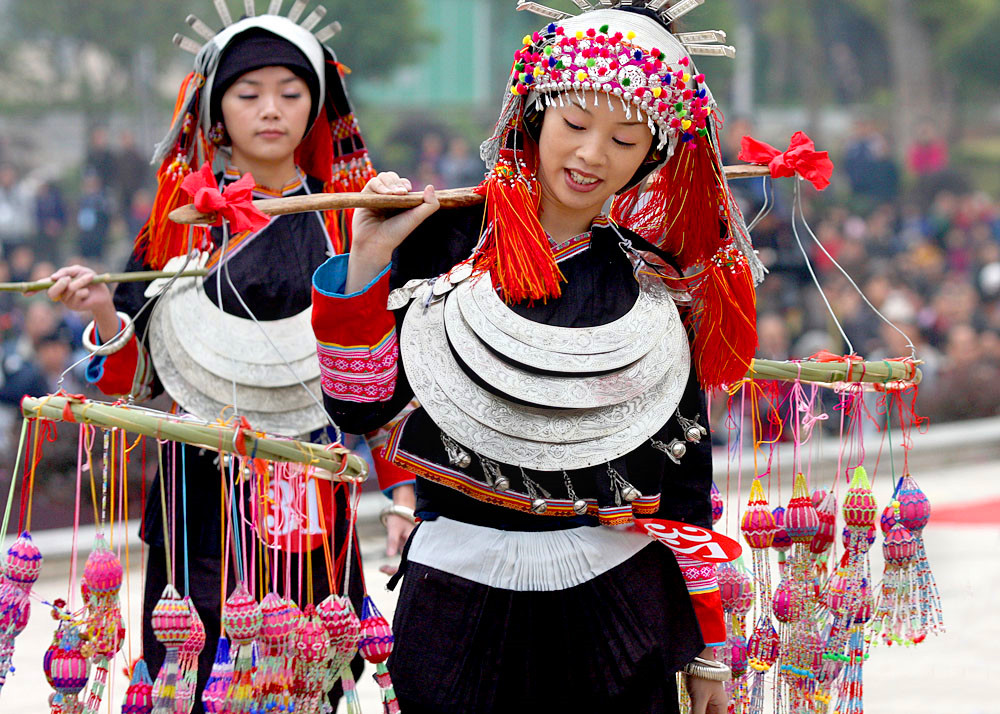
579,34
686,124
630,35
526,40
657,91
687,77
513,90
538,72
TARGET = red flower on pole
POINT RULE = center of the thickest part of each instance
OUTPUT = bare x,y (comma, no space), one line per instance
234,203
801,158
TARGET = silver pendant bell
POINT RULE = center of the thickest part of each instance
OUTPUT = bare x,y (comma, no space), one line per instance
501,483
675,450
624,491
630,494
580,507
693,431
494,477
539,506
457,456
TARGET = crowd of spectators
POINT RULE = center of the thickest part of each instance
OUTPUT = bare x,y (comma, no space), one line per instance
923,249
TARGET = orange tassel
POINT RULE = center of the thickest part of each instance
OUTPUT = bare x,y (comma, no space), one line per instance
516,249
161,239
724,320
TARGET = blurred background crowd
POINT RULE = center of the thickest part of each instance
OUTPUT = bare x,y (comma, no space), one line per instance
913,215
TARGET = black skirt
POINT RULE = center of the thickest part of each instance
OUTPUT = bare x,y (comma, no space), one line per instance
611,644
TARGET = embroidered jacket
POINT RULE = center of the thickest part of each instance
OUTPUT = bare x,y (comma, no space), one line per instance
365,384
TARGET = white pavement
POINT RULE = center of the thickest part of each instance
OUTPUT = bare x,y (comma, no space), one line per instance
950,673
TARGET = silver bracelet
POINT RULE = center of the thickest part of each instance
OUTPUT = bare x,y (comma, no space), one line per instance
394,509
116,343
708,669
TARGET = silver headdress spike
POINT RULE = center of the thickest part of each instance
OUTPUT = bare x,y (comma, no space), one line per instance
200,27
313,18
705,36
328,32
275,7
542,10
187,44
681,9
298,7
248,9
223,10
711,50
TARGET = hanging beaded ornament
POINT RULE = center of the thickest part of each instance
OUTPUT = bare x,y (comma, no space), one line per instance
21,570
171,622
102,576
758,527
187,664
344,629
914,513
213,696
375,646
242,619
70,671
139,695
312,660
274,676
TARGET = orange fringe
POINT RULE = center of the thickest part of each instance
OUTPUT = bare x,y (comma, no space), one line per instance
517,249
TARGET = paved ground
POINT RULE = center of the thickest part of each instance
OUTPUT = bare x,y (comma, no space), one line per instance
951,673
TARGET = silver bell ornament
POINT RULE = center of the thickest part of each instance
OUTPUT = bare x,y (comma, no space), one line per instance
677,448
630,493
580,507
539,506
501,483
693,433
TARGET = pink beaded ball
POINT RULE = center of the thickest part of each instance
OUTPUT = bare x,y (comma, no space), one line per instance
888,518
103,571
279,618
914,508
801,519
737,645
784,602
311,641
376,640
242,617
343,627
171,618
15,607
24,561
69,668
735,588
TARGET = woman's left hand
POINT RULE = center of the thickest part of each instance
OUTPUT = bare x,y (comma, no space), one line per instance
707,696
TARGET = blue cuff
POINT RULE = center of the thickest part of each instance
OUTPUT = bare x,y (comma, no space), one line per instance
95,369
387,492
331,277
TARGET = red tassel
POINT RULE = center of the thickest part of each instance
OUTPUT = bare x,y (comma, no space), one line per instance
161,239
516,248
724,320
680,210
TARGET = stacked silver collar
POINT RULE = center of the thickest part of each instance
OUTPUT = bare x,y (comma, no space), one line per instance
574,420
200,351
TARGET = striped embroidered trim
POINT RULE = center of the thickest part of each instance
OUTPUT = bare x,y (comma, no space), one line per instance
357,359
391,447
699,576
465,484
573,246
360,373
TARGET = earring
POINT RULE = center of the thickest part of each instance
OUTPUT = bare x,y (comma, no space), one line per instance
217,134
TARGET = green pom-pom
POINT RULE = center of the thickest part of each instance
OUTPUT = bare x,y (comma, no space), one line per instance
604,29
682,113
560,65
591,62
679,105
519,66
548,50
626,81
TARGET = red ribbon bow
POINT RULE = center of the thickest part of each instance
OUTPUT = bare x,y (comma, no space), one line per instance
235,203
801,158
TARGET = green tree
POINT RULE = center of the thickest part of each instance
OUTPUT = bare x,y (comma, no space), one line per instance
377,34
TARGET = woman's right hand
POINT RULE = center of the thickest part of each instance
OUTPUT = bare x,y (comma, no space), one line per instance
74,288
375,235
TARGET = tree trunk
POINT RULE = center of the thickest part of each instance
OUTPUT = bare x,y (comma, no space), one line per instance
913,80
